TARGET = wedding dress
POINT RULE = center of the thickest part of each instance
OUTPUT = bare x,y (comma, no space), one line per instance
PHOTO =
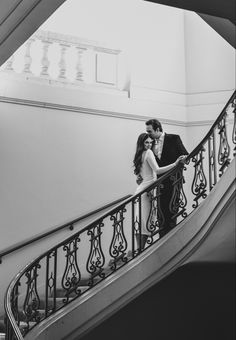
149,174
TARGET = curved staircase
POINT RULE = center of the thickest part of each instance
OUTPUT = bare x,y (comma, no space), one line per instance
84,279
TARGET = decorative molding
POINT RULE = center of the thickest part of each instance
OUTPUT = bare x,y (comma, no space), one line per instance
75,40
85,110
208,92
182,99
59,82
84,66
185,93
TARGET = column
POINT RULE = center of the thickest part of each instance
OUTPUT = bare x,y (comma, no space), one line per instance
27,57
9,64
62,62
79,65
45,61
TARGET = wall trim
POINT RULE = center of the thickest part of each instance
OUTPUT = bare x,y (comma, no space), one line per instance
184,93
79,109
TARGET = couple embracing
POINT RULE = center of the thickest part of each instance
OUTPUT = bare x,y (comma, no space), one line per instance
156,153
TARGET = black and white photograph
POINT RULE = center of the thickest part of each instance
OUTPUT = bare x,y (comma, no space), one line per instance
117,169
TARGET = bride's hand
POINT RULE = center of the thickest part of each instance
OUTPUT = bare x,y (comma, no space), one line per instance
181,159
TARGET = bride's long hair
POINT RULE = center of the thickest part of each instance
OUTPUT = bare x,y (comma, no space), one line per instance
139,152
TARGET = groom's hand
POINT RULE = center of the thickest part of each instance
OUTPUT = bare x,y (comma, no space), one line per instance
182,159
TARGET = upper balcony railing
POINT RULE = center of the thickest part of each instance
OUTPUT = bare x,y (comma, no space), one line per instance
72,267
66,59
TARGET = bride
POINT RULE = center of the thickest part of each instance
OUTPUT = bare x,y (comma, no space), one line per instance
146,167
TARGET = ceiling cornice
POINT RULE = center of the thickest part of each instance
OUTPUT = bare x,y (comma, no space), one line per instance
220,8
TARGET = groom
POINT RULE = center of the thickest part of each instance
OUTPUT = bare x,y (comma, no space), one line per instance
166,148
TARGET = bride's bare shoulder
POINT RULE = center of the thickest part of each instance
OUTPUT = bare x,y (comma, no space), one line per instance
149,152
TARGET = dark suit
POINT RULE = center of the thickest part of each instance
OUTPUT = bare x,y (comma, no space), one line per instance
172,149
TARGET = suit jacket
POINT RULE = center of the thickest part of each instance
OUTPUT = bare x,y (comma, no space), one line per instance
172,149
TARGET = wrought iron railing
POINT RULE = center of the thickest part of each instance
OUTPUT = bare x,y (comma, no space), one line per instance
54,230
72,267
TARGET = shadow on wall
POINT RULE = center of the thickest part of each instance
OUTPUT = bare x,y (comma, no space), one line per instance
196,302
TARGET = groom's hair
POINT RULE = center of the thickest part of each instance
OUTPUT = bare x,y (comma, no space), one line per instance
155,124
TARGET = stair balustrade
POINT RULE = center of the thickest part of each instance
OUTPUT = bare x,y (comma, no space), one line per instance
55,58
71,268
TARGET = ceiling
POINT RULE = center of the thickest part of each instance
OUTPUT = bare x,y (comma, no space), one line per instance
219,14
220,8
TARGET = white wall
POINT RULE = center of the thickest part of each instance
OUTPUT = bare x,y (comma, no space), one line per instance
151,38
210,60
210,76
64,152
60,162
210,69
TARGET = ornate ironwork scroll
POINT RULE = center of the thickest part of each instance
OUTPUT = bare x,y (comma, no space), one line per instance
118,244
137,215
156,218
51,279
199,183
71,277
224,148
178,200
96,257
32,301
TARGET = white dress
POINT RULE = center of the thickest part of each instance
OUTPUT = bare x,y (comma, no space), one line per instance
149,174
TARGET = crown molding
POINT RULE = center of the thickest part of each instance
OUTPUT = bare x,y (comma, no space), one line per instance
91,111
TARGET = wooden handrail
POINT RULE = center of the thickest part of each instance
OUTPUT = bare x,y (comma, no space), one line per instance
69,225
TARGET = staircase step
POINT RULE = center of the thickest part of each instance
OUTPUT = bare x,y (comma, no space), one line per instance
85,282
2,336
60,293
26,325
59,302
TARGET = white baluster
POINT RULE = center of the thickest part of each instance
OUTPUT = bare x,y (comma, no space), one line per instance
79,65
9,64
45,61
27,57
62,62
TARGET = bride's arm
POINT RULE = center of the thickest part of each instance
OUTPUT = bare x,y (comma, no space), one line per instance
153,164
